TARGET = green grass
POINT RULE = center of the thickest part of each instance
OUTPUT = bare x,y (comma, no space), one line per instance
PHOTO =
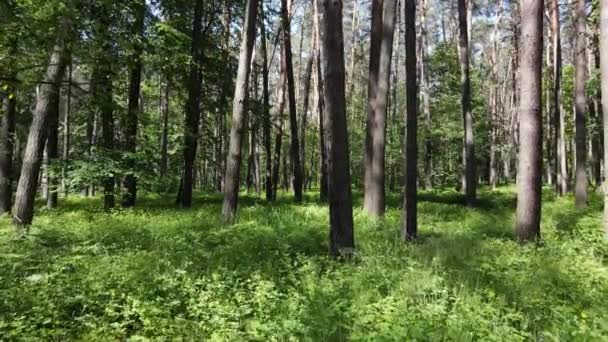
160,273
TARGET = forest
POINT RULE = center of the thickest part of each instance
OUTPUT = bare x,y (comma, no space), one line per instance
303,170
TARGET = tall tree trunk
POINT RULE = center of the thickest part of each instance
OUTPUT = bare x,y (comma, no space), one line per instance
470,163
307,81
580,100
7,139
164,145
557,112
341,236
494,101
52,152
239,113
66,135
296,167
266,120
604,81
426,99
530,131
279,136
131,120
32,158
410,227
373,193
321,111
106,106
193,108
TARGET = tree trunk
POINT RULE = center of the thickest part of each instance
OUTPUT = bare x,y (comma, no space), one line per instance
580,100
52,152
426,99
342,239
239,114
410,227
470,163
307,81
373,193
530,129
296,167
164,145
321,111
7,138
66,135
193,108
266,120
131,120
604,81
279,136
556,98
32,158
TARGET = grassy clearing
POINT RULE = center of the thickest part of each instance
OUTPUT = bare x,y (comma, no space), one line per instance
157,272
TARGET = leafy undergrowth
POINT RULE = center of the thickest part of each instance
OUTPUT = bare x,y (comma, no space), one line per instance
160,273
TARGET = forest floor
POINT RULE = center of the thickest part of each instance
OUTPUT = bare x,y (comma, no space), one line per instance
157,271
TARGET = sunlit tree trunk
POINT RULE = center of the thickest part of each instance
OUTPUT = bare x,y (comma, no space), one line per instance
239,113
320,111
530,129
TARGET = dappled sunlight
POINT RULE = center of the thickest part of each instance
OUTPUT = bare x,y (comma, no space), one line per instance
140,271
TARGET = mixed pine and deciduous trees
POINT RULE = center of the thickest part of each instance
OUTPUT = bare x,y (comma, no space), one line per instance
120,135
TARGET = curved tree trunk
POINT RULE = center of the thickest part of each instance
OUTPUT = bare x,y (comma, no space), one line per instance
239,114
341,236
530,129
32,158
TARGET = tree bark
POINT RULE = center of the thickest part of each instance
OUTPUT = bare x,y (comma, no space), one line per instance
410,225
164,145
580,100
296,167
239,113
266,120
131,120
470,163
373,187
320,111
530,129
193,109
7,139
426,99
342,239
32,158
556,98
604,81
52,152
307,81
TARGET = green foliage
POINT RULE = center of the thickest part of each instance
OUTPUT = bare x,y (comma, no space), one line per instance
159,273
